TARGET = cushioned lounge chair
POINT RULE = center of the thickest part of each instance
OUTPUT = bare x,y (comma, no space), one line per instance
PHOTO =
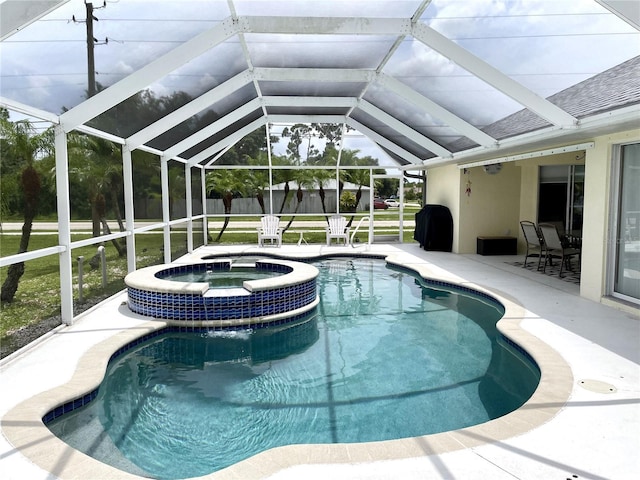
554,247
269,230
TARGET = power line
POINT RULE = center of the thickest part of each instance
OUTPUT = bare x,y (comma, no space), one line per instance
340,40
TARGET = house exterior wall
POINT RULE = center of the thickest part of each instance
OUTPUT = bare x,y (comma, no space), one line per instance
598,209
491,208
530,178
443,188
497,203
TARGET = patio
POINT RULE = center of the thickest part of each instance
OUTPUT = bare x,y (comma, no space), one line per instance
591,435
469,100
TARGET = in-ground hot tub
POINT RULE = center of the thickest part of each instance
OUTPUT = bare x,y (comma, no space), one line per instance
209,293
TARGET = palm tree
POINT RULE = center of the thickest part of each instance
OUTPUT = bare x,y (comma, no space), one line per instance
226,183
177,187
20,139
304,178
321,177
258,181
283,176
359,177
97,163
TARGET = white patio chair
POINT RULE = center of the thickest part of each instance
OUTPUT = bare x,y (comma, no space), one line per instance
269,230
338,229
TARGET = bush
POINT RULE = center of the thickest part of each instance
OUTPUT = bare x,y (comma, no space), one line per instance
347,202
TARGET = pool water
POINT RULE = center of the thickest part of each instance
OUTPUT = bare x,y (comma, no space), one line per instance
233,277
384,357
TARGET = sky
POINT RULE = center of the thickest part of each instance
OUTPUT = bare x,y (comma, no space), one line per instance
547,45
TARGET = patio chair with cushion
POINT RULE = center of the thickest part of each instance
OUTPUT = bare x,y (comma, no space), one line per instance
555,248
535,247
338,229
269,229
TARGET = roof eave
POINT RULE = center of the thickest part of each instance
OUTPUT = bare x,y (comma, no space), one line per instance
618,120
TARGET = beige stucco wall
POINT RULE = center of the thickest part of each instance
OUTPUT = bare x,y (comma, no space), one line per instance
443,188
491,208
498,202
597,211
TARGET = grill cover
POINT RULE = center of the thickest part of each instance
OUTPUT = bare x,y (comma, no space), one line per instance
434,228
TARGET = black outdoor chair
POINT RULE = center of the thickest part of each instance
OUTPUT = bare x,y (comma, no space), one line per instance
535,247
555,248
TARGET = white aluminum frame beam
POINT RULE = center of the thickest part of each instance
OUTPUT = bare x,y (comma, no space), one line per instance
293,101
188,196
325,25
192,108
237,135
166,213
277,118
29,111
143,77
64,225
367,76
435,110
214,128
215,158
129,211
404,129
525,156
251,106
494,77
94,132
337,75
16,15
383,141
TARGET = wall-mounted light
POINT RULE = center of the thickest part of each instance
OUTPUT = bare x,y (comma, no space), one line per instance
493,168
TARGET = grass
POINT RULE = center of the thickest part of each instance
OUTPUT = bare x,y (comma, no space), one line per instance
38,295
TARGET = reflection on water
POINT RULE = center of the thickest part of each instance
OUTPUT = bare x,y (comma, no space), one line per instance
385,357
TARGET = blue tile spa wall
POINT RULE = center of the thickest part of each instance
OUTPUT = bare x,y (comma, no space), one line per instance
195,307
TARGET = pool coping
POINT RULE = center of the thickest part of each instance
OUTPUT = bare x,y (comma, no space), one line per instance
146,278
44,449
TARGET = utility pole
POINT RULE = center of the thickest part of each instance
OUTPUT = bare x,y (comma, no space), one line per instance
91,66
91,43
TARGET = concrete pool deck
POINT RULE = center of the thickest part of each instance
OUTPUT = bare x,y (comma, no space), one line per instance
586,425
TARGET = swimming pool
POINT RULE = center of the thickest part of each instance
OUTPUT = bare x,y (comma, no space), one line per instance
388,346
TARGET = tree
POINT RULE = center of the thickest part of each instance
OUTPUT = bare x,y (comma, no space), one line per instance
226,183
258,182
297,134
359,177
177,187
283,176
22,144
304,179
321,177
97,164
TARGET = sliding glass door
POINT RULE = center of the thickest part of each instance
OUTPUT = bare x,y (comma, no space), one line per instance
561,197
626,275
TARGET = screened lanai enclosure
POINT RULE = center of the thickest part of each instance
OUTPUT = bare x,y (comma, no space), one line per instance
194,114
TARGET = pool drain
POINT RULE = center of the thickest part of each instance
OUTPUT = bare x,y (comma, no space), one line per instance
597,386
